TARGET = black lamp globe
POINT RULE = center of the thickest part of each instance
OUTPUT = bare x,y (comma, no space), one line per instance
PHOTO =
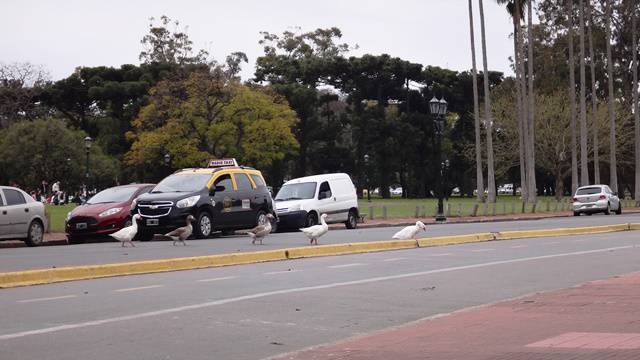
443,107
434,106
87,142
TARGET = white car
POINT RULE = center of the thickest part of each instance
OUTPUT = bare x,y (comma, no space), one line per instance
21,217
396,191
596,198
300,202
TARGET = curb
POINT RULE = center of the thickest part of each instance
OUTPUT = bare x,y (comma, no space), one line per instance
47,276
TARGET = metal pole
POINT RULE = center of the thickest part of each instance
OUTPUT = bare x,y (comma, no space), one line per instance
440,217
87,172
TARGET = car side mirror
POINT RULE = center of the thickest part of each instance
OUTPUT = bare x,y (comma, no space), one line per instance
215,189
615,194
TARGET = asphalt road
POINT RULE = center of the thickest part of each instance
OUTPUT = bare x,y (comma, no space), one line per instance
13,259
262,310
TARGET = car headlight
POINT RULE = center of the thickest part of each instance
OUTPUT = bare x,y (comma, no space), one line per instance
68,216
295,207
188,202
110,212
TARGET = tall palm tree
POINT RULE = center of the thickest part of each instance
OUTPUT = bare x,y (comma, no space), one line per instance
572,99
584,159
476,109
636,107
594,99
491,183
613,180
531,161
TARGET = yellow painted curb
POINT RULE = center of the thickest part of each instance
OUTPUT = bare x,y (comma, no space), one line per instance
350,248
45,276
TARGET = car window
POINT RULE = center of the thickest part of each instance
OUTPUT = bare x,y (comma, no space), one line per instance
224,180
257,180
326,189
588,191
113,195
242,180
1,199
14,197
189,182
296,191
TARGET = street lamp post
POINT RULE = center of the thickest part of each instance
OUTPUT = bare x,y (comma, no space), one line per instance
438,109
167,162
87,148
366,171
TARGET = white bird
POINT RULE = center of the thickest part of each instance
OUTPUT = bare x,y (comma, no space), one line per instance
126,235
259,232
314,232
410,232
178,235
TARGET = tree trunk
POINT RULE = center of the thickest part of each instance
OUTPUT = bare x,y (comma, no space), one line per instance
584,159
531,161
519,109
559,191
613,180
594,100
491,184
636,108
572,100
522,84
476,110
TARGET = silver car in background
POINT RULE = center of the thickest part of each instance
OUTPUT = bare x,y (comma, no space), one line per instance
21,217
596,198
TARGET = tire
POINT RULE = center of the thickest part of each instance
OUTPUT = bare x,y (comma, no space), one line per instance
35,234
128,222
352,220
608,210
312,219
619,211
575,213
204,225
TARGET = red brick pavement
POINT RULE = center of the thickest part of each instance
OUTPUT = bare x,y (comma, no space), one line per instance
595,321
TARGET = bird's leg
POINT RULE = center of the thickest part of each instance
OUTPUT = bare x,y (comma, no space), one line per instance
123,244
174,243
184,243
132,244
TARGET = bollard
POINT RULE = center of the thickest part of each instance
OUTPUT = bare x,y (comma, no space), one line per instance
555,207
474,211
533,209
524,207
548,206
459,210
448,210
504,208
424,211
370,212
513,207
417,211
495,205
485,209
384,212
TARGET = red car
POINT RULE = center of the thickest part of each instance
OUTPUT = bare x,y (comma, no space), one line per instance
106,212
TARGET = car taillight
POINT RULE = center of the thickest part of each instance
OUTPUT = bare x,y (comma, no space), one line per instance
602,197
575,199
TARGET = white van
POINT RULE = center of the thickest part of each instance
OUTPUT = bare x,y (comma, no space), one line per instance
300,202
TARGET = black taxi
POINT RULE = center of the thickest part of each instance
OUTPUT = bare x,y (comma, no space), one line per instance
223,197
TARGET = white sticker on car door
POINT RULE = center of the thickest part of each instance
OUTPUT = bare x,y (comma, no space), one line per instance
246,204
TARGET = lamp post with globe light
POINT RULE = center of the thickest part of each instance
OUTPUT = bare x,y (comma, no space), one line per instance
87,148
438,109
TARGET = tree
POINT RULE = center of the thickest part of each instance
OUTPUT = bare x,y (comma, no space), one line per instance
531,160
572,100
584,158
21,86
205,116
163,45
476,111
636,108
594,97
613,172
45,149
491,184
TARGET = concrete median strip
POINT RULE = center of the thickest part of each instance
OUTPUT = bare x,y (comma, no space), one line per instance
46,276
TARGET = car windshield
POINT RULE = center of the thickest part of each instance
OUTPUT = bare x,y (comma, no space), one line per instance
589,191
297,191
116,194
182,183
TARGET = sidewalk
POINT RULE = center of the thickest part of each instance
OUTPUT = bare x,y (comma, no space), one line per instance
597,320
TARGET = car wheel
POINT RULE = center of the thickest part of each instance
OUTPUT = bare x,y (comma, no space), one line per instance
204,226
352,220
128,222
575,213
608,210
619,211
312,219
35,234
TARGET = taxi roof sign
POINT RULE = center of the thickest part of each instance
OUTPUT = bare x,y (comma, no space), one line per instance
214,163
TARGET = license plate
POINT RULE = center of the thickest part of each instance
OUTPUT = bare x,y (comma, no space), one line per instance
81,226
152,222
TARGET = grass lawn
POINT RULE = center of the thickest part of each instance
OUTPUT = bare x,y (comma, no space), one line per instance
57,214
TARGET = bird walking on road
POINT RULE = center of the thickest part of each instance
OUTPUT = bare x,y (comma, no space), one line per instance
259,232
410,232
126,234
178,235
314,232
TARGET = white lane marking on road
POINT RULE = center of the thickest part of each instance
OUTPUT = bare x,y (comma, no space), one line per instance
482,250
519,246
217,279
294,290
47,298
394,259
281,272
443,254
139,288
345,265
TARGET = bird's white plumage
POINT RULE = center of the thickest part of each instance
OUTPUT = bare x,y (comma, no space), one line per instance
410,232
316,231
126,234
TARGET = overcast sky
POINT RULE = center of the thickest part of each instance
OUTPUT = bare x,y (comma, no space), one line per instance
61,35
